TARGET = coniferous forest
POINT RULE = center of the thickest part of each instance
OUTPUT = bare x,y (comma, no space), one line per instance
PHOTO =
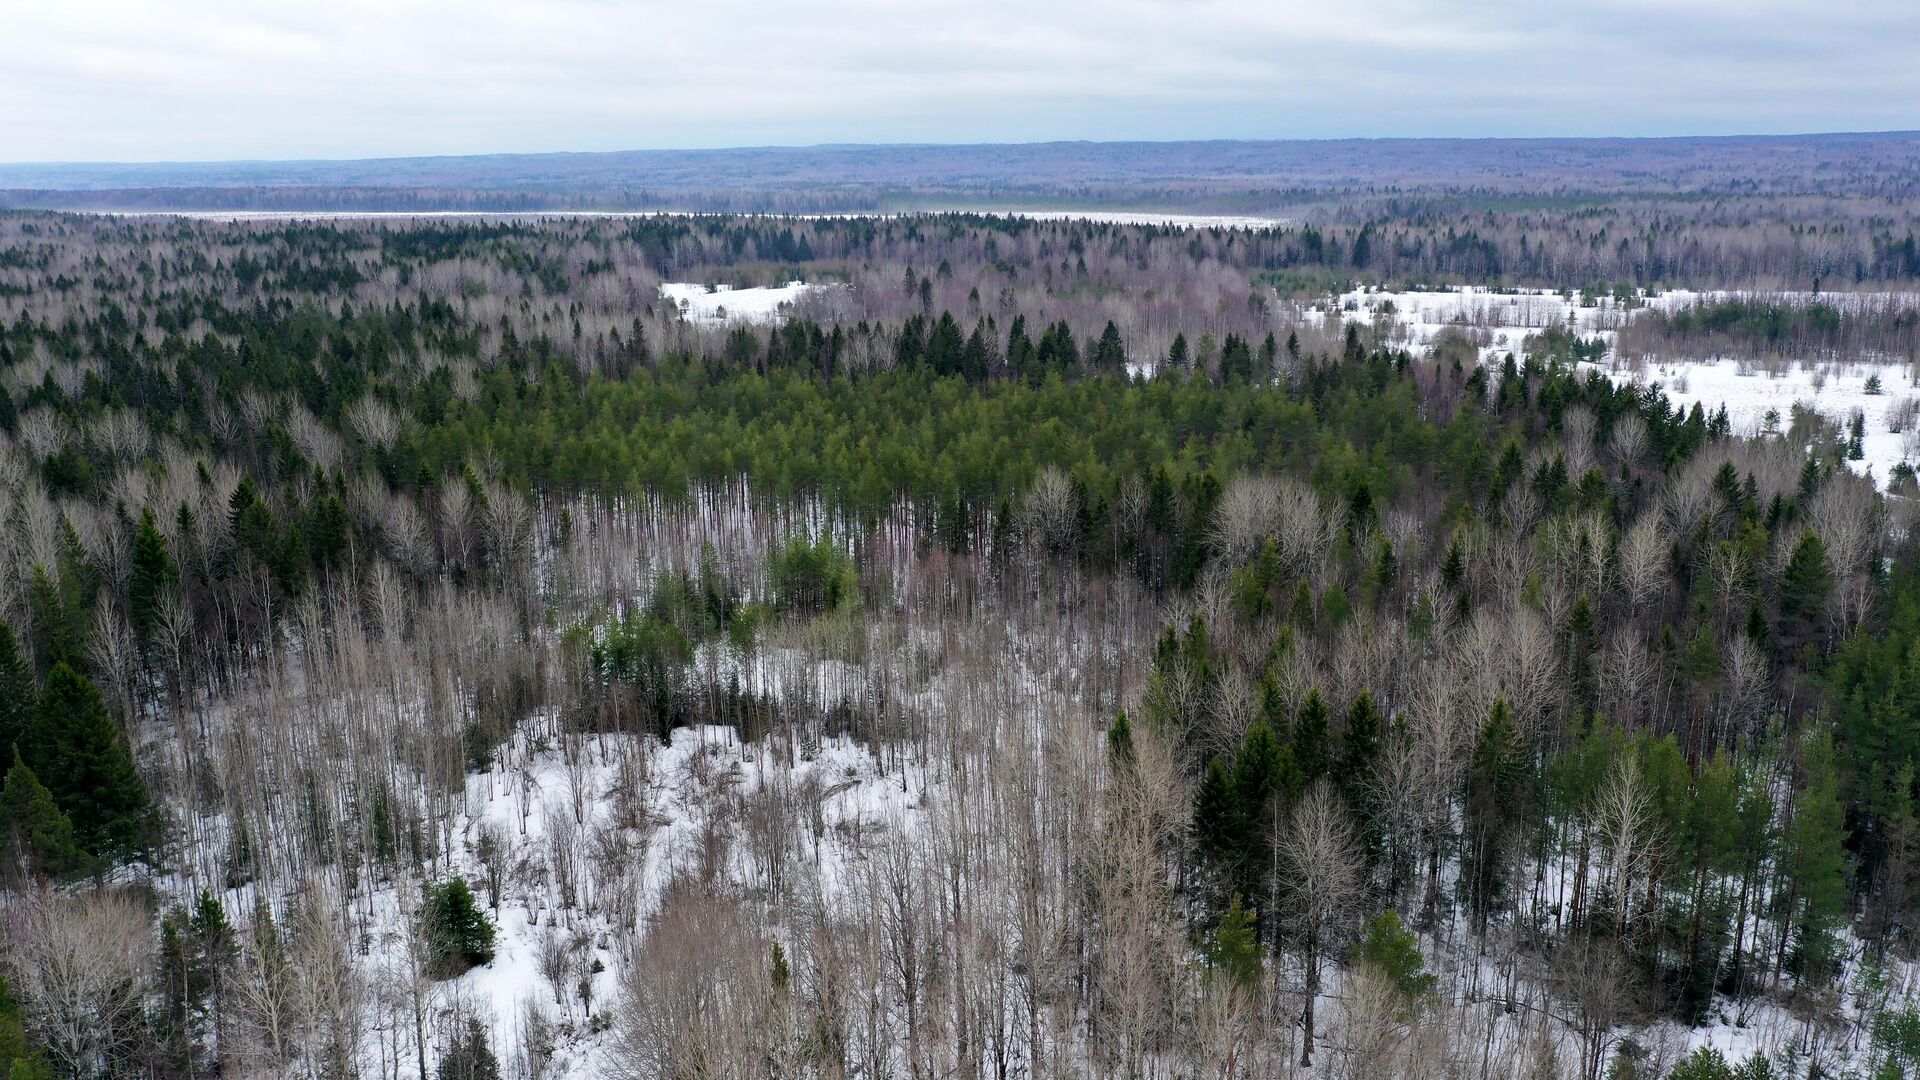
1042,648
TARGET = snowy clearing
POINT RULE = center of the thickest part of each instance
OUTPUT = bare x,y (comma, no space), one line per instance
1498,322
700,302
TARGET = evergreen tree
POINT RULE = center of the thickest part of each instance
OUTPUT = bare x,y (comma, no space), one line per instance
458,934
17,693
37,836
76,749
1814,860
470,1057
1359,750
1110,355
1312,739
20,1059
1120,741
1804,588
58,616
1393,952
1233,948
1178,357
1496,779
152,574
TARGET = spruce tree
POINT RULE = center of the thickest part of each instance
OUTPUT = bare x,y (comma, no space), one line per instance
152,574
470,1057
17,693
1804,588
1110,355
36,836
1814,857
76,749
1233,948
458,934
1178,358
1312,739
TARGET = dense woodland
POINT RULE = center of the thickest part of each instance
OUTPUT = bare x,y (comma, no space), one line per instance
1239,693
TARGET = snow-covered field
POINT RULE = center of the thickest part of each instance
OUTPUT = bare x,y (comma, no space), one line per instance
723,303
1498,323
1148,217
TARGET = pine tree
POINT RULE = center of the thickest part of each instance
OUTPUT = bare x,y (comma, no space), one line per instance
1804,588
470,1057
1393,952
76,745
1815,860
1178,358
1216,813
1233,948
1312,739
1495,783
58,618
458,934
17,693
1110,355
37,836
1360,748
152,574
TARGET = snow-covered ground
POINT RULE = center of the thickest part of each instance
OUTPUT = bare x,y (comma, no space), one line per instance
1148,217
554,805
723,304
1498,323
681,789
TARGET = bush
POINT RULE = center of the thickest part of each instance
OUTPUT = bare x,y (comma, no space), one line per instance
458,934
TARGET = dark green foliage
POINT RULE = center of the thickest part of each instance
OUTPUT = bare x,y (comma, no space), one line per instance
458,935
1706,1063
20,1059
76,749
1233,948
1393,952
1496,792
1875,682
1815,861
151,576
810,578
1804,588
470,1057
17,693
197,948
59,609
38,837
1120,741
1312,739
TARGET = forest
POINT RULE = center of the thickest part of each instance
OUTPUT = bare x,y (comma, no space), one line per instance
1045,648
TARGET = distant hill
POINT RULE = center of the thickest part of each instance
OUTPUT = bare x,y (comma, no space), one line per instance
1226,175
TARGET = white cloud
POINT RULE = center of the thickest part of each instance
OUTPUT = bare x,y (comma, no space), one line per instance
197,79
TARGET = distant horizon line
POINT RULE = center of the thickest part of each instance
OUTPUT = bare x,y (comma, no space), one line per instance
802,147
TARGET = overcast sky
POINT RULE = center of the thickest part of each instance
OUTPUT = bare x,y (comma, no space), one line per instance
130,80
